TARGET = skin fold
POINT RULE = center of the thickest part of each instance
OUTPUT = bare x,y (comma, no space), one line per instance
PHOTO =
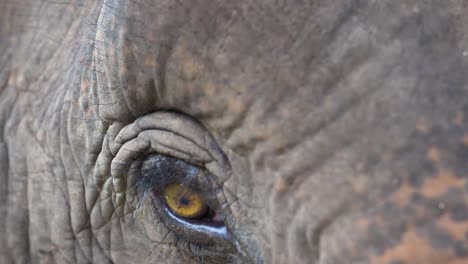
318,131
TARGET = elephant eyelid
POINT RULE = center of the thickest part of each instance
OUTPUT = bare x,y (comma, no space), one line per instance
171,134
159,170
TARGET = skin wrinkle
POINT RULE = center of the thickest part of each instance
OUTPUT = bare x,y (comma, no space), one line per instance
85,224
116,81
350,143
103,82
321,132
67,191
145,134
78,216
192,153
331,93
102,173
202,141
134,133
35,207
4,153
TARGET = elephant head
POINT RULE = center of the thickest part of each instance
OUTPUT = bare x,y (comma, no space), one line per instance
163,131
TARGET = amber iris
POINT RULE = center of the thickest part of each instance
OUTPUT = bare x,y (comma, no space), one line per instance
184,202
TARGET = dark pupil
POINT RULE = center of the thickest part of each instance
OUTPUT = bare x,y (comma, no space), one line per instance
184,201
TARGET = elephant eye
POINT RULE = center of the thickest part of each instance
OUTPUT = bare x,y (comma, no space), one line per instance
184,202
176,170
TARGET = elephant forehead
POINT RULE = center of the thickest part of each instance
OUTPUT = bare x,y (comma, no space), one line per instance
275,71
246,88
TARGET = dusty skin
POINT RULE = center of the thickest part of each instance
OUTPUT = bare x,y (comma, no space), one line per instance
315,132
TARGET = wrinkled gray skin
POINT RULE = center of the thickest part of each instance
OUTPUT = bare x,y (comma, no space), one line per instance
336,131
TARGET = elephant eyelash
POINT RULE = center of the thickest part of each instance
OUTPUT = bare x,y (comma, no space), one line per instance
159,170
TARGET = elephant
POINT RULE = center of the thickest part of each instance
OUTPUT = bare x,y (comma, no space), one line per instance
169,131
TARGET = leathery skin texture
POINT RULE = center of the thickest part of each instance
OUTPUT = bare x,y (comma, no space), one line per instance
317,131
